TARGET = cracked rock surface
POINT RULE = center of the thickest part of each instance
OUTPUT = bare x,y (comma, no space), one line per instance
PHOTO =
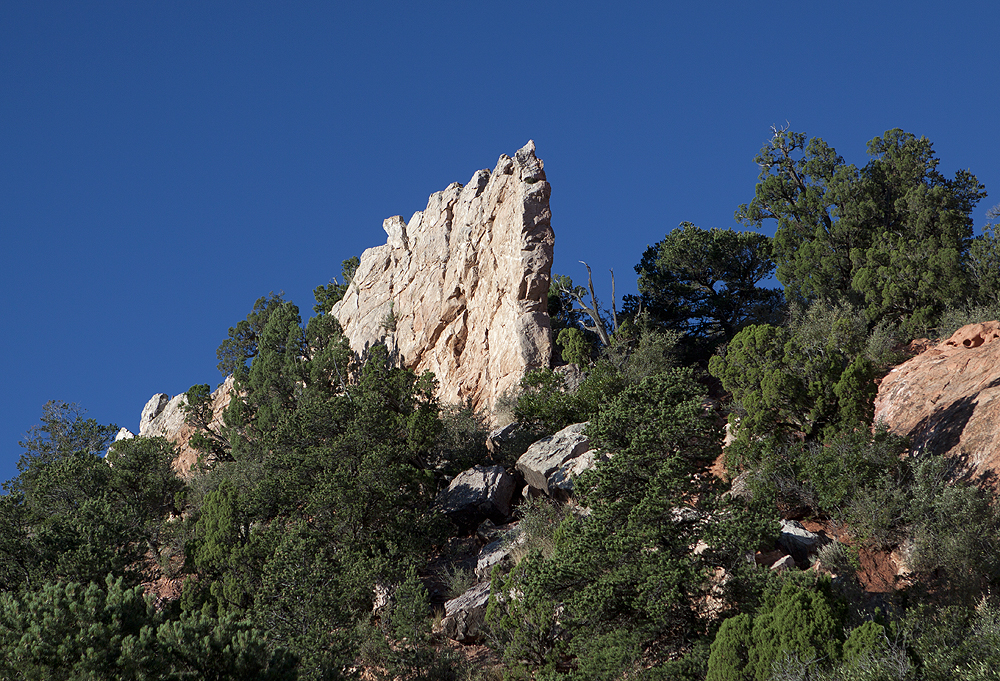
461,288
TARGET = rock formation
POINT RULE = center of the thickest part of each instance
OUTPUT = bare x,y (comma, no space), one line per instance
461,289
946,399
163,417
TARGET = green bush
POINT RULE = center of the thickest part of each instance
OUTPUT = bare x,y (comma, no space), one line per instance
804,624
812,378
731,650
70,631
574,346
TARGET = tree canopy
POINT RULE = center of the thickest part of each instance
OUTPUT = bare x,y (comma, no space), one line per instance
891,237
706,284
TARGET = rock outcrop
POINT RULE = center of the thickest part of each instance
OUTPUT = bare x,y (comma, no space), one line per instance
461,289
163,417
124,434
797,540
946,399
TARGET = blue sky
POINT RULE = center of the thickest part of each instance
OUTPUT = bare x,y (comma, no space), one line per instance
164,164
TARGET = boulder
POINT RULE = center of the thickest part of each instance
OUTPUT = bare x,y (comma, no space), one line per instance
550,464
494,553
464,616
500,438
461,289
946,399
797,540
488,532
499,549
478,493
509,442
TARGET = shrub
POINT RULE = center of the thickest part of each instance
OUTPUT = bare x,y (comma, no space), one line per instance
536,531
801,626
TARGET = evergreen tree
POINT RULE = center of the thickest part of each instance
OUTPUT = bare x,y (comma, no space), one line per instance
705,284
892,237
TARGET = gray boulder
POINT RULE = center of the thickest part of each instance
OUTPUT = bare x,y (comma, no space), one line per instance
488,532
478,493
550,464
797,540
509,442
498,552
492,554
464,616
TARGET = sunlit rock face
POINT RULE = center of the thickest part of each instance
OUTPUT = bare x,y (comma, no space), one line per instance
164,417
947,399
461,288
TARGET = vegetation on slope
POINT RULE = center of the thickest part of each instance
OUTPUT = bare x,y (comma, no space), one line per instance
318,490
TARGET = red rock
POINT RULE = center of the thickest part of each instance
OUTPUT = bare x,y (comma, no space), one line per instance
945,399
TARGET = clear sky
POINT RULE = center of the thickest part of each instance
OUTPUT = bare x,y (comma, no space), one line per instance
164,164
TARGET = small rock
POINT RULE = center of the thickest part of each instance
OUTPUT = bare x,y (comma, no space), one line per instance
487,532
492,554
785,563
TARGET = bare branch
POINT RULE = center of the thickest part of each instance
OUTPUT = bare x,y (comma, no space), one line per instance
614,305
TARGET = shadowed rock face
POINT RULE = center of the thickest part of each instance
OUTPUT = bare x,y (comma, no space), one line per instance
465,283
947,399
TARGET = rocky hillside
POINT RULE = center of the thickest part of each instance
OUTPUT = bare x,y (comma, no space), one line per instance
353,523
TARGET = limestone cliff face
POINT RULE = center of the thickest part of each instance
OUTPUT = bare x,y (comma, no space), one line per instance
947,399
163,417
465,282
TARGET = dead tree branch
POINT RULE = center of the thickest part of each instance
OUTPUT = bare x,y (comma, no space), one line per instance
594,309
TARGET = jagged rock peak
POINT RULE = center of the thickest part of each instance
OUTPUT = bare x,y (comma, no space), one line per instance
461,288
